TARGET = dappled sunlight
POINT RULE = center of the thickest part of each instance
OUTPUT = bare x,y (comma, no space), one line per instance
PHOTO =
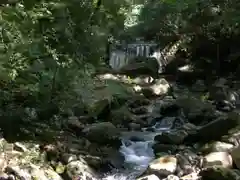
119,90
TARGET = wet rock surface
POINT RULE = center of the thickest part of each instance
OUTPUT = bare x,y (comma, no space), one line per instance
203,140
176,134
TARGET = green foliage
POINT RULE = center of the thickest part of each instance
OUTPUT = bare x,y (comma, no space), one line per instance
47,48
212,25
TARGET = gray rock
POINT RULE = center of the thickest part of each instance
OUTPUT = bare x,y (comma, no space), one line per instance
80,169
29,172
142,80
158,147
134,126
141,66
216,146
219,173
220,159
149,177
215,129
188,162
199,86
160,87
4,176
102,133
67,158
93,161
174,138
163,166
74,123
19,147
192,176
172,177
235,153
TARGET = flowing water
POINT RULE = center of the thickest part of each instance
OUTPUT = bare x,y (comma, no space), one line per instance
138,154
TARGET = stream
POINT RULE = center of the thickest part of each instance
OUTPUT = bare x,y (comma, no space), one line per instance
137,151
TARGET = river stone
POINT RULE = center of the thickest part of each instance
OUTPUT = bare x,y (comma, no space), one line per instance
102,133
4,176
192,176
158,147
188,161
93,161
52,174
31,171
134,126
185,166
219,173
19,173
235,153
190,128
174,138
215,129
221,159
160,87
139,110
142,80
172,177
216,146
75,124
80,169
149,177
67,158
19,147
199,86
232,137
219,90
192,106
163,166
141,66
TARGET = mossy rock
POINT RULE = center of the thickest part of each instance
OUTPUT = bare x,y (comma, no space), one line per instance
220,174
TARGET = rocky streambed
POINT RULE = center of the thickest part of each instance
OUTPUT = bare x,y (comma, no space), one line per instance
179,135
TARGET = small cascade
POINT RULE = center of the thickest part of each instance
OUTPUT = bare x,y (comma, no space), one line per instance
138,154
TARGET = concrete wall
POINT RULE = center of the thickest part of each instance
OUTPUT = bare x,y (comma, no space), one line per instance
119,58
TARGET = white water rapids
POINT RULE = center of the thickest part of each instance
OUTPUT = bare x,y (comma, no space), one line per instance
138,154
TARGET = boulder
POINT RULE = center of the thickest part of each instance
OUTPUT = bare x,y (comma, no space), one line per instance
102,133
224,98
159,88
196,110
134,126
80,169
215,129
191,176
31,171
199,86
219,173
168,148
216,146
235,153
188,162
149,177
232,137
143,80
174,138
163,166
100,107
67,158
141,66
220,159
75,124
172,177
